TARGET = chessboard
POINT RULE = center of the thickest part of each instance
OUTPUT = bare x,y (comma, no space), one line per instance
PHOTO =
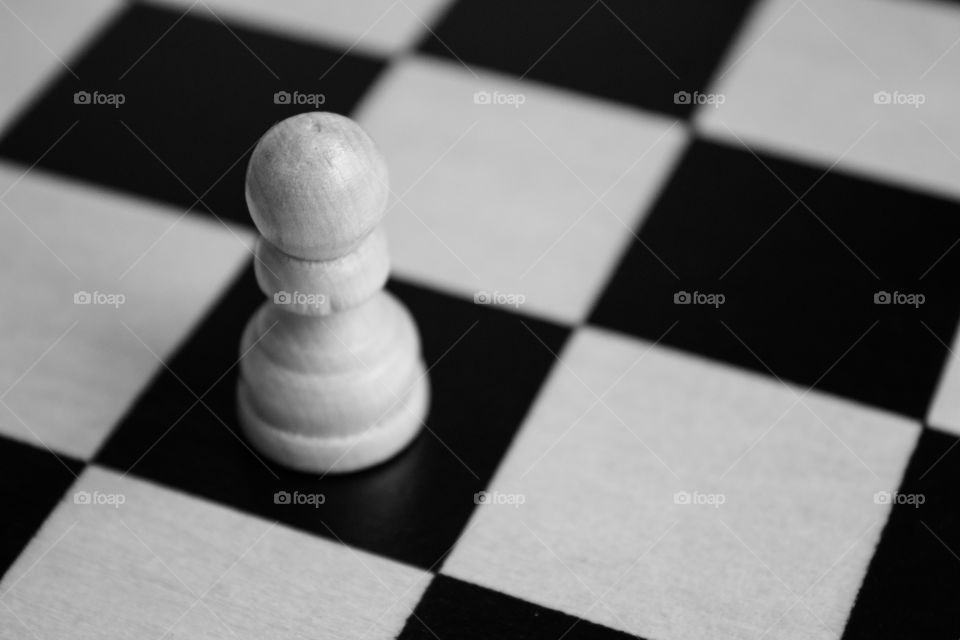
686,276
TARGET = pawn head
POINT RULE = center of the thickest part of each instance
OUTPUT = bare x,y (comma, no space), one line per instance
316,186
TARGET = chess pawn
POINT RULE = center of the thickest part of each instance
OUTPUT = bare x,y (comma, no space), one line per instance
331,377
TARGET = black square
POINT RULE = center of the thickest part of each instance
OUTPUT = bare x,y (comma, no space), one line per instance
799,284
197,94
454,609
641,53
486,370
911,586
34,481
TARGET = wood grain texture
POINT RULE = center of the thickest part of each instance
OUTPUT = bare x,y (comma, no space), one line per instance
163,564
795,87
335,375
601,533
536,199
316,186
313,287
69,371
35,39
331,373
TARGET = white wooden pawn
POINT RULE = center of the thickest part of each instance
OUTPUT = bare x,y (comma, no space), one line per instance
331,377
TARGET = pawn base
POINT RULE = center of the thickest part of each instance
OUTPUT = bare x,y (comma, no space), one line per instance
335,454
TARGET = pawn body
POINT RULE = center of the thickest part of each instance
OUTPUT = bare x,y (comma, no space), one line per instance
336,392
331,378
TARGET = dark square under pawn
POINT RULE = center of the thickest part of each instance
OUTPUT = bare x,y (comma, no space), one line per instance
485,369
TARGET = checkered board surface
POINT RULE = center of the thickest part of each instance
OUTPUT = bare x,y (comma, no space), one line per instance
776,458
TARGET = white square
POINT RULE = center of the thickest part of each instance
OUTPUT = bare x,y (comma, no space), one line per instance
70,367
122,558
379,27
944,412
499,184
802,80
676,498
38,40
